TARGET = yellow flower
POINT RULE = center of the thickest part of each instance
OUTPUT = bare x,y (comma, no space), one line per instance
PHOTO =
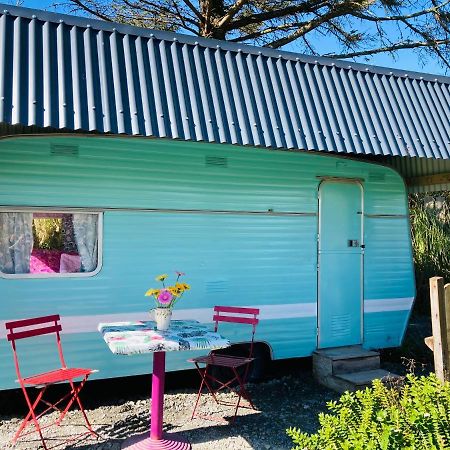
174,290
161,277
152,292
186,286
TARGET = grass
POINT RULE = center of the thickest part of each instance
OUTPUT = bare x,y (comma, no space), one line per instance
430,232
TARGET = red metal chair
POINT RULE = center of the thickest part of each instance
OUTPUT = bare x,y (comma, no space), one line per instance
238,366
27,328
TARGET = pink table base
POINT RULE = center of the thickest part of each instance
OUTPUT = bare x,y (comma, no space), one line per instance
130,338
157,440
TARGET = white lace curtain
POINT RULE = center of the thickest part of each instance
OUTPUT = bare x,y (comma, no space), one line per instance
16,242
85,231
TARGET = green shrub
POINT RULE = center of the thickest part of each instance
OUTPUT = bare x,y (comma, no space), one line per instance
430,232
413,416
47,233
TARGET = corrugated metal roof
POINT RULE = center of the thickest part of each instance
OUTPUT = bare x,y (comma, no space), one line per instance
74,73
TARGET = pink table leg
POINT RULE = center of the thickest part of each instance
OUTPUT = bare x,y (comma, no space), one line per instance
156,441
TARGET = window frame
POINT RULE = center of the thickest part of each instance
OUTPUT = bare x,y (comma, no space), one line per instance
99,213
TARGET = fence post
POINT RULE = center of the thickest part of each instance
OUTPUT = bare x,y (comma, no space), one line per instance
440,321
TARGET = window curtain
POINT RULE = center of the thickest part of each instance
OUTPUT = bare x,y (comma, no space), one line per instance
16,242
85,231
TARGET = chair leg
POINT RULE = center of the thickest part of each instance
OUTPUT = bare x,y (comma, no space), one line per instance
203,374
83,411
75,390
242,391
31,413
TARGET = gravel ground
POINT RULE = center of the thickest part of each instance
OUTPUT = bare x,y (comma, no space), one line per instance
119,408
292,399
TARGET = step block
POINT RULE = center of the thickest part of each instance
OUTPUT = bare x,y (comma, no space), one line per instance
333,361
348,352
361,380
356,364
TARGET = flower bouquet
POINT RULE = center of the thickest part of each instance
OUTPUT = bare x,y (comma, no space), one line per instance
165,299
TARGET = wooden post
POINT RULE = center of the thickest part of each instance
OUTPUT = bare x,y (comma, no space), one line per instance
440,321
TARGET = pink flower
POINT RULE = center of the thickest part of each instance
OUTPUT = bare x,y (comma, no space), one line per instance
180,274
164,297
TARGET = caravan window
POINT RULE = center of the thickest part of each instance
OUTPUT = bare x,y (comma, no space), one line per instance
45,244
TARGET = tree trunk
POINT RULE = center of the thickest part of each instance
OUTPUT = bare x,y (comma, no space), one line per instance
212,11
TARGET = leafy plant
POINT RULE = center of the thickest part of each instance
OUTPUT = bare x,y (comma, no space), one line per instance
47,233
430,231
411,416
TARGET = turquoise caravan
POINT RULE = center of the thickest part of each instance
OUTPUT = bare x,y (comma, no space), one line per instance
256,172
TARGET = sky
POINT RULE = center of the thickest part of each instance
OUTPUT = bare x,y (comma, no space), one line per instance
405,60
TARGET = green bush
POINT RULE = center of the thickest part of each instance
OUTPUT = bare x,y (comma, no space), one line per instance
430,232
47,233
411,416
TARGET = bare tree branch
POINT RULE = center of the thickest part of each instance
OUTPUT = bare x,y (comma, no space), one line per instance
356,27
391,48
307,6
232,11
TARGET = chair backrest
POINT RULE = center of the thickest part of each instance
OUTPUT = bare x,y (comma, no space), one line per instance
237,314
28,328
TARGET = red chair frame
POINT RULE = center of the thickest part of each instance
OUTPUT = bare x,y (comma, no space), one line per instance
39,326
230,314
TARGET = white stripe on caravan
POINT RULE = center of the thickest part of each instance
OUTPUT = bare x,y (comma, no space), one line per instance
388,304
87,324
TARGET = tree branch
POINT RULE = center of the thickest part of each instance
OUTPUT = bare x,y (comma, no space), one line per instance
391,48
305,7
423,12
232,11
95,12
310,25
193,9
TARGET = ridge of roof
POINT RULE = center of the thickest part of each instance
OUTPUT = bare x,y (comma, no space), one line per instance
100,25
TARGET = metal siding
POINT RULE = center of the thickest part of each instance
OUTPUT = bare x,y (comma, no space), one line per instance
74,73
263,258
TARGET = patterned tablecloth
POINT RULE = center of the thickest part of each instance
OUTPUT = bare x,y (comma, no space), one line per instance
129,338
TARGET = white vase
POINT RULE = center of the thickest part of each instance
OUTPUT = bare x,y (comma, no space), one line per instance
162,317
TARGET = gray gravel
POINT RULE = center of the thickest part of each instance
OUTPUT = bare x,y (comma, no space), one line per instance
293,400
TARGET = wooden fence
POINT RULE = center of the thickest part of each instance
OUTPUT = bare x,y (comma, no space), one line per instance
440,321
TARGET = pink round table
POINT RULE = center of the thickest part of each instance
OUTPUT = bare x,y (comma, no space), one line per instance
127,338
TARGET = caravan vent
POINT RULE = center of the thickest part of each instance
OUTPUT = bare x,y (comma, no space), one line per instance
216,161
64,150
340,326
374,176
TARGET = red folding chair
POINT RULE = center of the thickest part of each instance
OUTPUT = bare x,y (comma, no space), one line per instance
27,328
237,366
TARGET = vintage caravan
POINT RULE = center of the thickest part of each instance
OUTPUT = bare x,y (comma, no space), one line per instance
256,172
319,243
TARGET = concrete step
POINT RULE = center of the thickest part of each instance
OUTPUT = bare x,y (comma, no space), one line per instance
348,352
334,361
360,380
348,368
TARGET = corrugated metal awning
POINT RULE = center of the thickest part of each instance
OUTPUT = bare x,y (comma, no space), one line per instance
73,73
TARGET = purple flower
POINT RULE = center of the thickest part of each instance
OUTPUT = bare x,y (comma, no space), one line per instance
165,297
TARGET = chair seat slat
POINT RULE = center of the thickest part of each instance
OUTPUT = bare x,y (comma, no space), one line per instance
234,319
16,335
32,321
236,309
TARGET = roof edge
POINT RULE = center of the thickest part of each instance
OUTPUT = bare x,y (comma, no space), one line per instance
86,22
